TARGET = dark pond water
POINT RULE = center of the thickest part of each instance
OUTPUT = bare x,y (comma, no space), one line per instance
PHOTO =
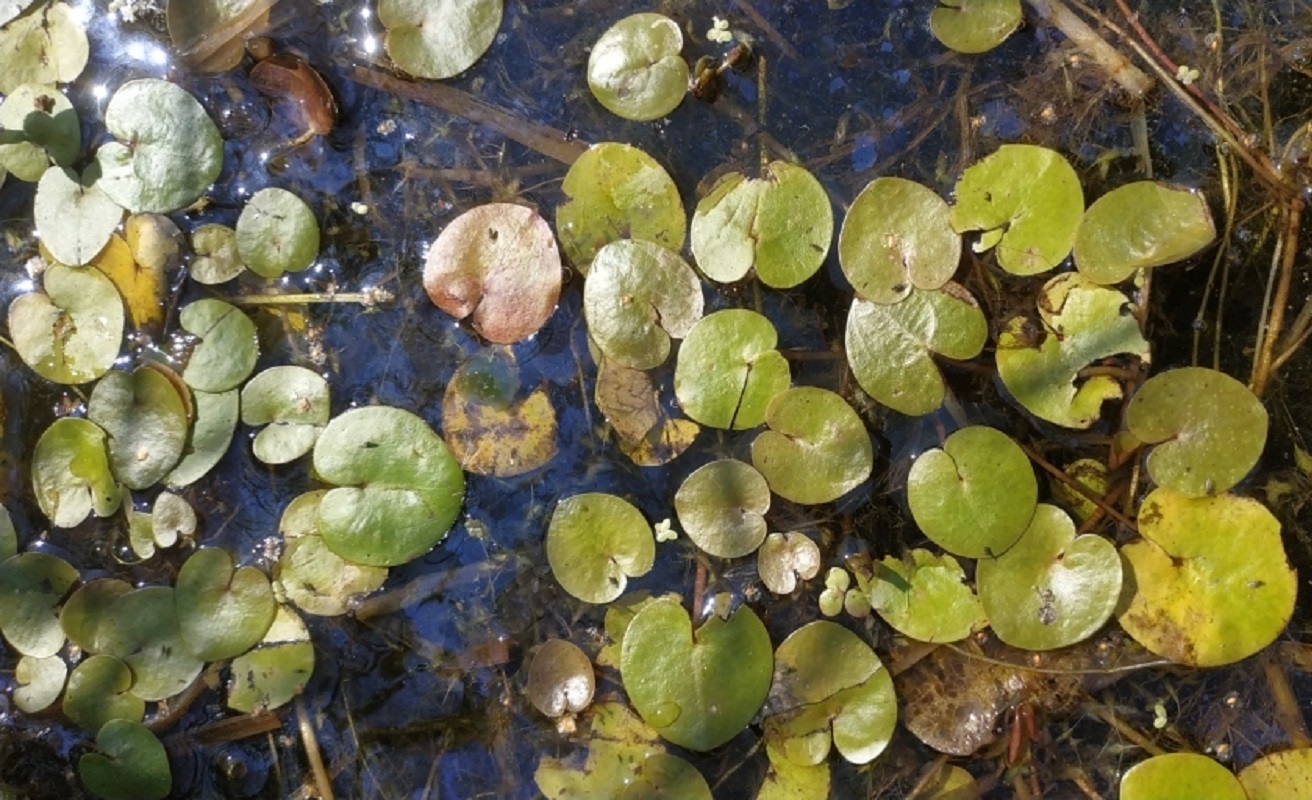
429,701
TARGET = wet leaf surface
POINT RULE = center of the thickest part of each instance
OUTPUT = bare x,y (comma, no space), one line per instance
560,679
728,370
71,474
492,428
277,670
131,764
277,233
1138,226
897,236
45,45
228,346
293,403
722,508
639,296
595,543
440,39
635,69
925,596
145,420
816,449
73,215
71,332
310,575
31,587
222,611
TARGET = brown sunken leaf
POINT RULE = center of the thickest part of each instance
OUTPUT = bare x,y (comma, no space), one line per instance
499,265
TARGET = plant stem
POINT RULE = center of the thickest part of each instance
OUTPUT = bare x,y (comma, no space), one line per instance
368,298
1118,67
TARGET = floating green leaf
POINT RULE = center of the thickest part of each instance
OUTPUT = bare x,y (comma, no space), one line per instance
277,233
1209,429
786,780
897,236
293,403
595,543
491,431
222,611
228,346
637,297
45,45
1027,201
667,777
1279,775
1052,588
890,347
216,420
273,673
560,679
171,518
498,265
1141,225
974,26
976,496
216,259
145,420
99,691
635,69
1083,323
310,575
399,489
8,536
785,557
132,764
31,585
142,629
46,127
779,224
699,688
722,507
1210,582
728,369
38,682
74,217
72,332
71,475
10,9
816,449
439,40
1180,776
616,191
168,151
85,616
618,748
925,596
828,682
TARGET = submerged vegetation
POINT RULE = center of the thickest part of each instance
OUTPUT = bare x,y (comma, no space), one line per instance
444,441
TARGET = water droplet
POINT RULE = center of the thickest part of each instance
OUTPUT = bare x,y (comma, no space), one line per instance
664,714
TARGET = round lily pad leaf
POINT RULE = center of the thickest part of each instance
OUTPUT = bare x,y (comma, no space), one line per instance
277,233
925,596
976,496
974,26
46,45
635,69
1280,775
637,297
1211,584
275,672
168,150
399,489
85,617
99,691
216,420
8,536
667,777
228,346
131,764
31,585
38,682
1141,225
560,679
314,578
491,431
699,688
498,265
74,217
1024,199
722,506
46,127
1180,776
616,191
816,449
728,369
293,403
785,557
142,629
827,681
780,224
71,475
1209,429
595,543
786,780
439,40
222,612
897,236
72,332
890,347
216,260
145,420
1083,323
171,518
1052,588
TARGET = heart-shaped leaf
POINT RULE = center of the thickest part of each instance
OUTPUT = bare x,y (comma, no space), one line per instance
722,507
46,45
293,403
925,596
222,612
275,672
1138,226
729,370
131,764
490,429
639,296
974,26
146,421
277,233
699,688
216,420
31,586
72,332
439,40
595,543
228,347
99,691
310,575
71,475
635,69
816,449
38,682
897,236
142,629
46,126
1180,776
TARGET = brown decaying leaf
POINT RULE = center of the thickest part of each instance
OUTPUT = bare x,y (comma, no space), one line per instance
288,79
